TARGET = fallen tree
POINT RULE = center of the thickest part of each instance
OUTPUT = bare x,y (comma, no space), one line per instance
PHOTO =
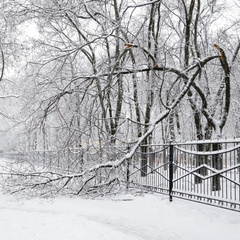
100,178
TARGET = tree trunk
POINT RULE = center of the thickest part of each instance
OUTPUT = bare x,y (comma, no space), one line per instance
217,163
144,161
200,160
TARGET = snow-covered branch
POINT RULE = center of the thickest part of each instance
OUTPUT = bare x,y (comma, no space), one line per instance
9,96
109,172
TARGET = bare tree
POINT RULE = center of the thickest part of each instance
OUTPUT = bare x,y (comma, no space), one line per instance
103,67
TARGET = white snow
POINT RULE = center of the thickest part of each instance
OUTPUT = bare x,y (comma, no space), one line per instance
150,217
120,217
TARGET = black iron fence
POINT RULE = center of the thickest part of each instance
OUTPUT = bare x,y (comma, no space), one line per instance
202,171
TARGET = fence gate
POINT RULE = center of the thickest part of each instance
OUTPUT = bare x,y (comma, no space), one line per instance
203,171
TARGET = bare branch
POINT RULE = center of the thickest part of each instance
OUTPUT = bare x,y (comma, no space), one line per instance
3,64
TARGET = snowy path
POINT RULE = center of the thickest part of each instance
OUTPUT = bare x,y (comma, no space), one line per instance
149,217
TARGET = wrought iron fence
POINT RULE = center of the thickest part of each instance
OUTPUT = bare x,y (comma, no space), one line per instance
202,171
71,160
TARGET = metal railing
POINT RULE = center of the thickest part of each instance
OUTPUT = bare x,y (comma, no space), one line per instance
202,171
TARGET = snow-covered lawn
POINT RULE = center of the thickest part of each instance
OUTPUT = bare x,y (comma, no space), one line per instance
120,217
123,217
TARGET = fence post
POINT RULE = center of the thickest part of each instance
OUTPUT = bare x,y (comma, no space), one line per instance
128,165
170,171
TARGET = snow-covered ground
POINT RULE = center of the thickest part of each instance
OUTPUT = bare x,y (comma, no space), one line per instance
123,217
120,217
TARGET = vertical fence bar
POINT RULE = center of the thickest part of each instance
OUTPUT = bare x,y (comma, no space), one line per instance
170,171
128,172
128,168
